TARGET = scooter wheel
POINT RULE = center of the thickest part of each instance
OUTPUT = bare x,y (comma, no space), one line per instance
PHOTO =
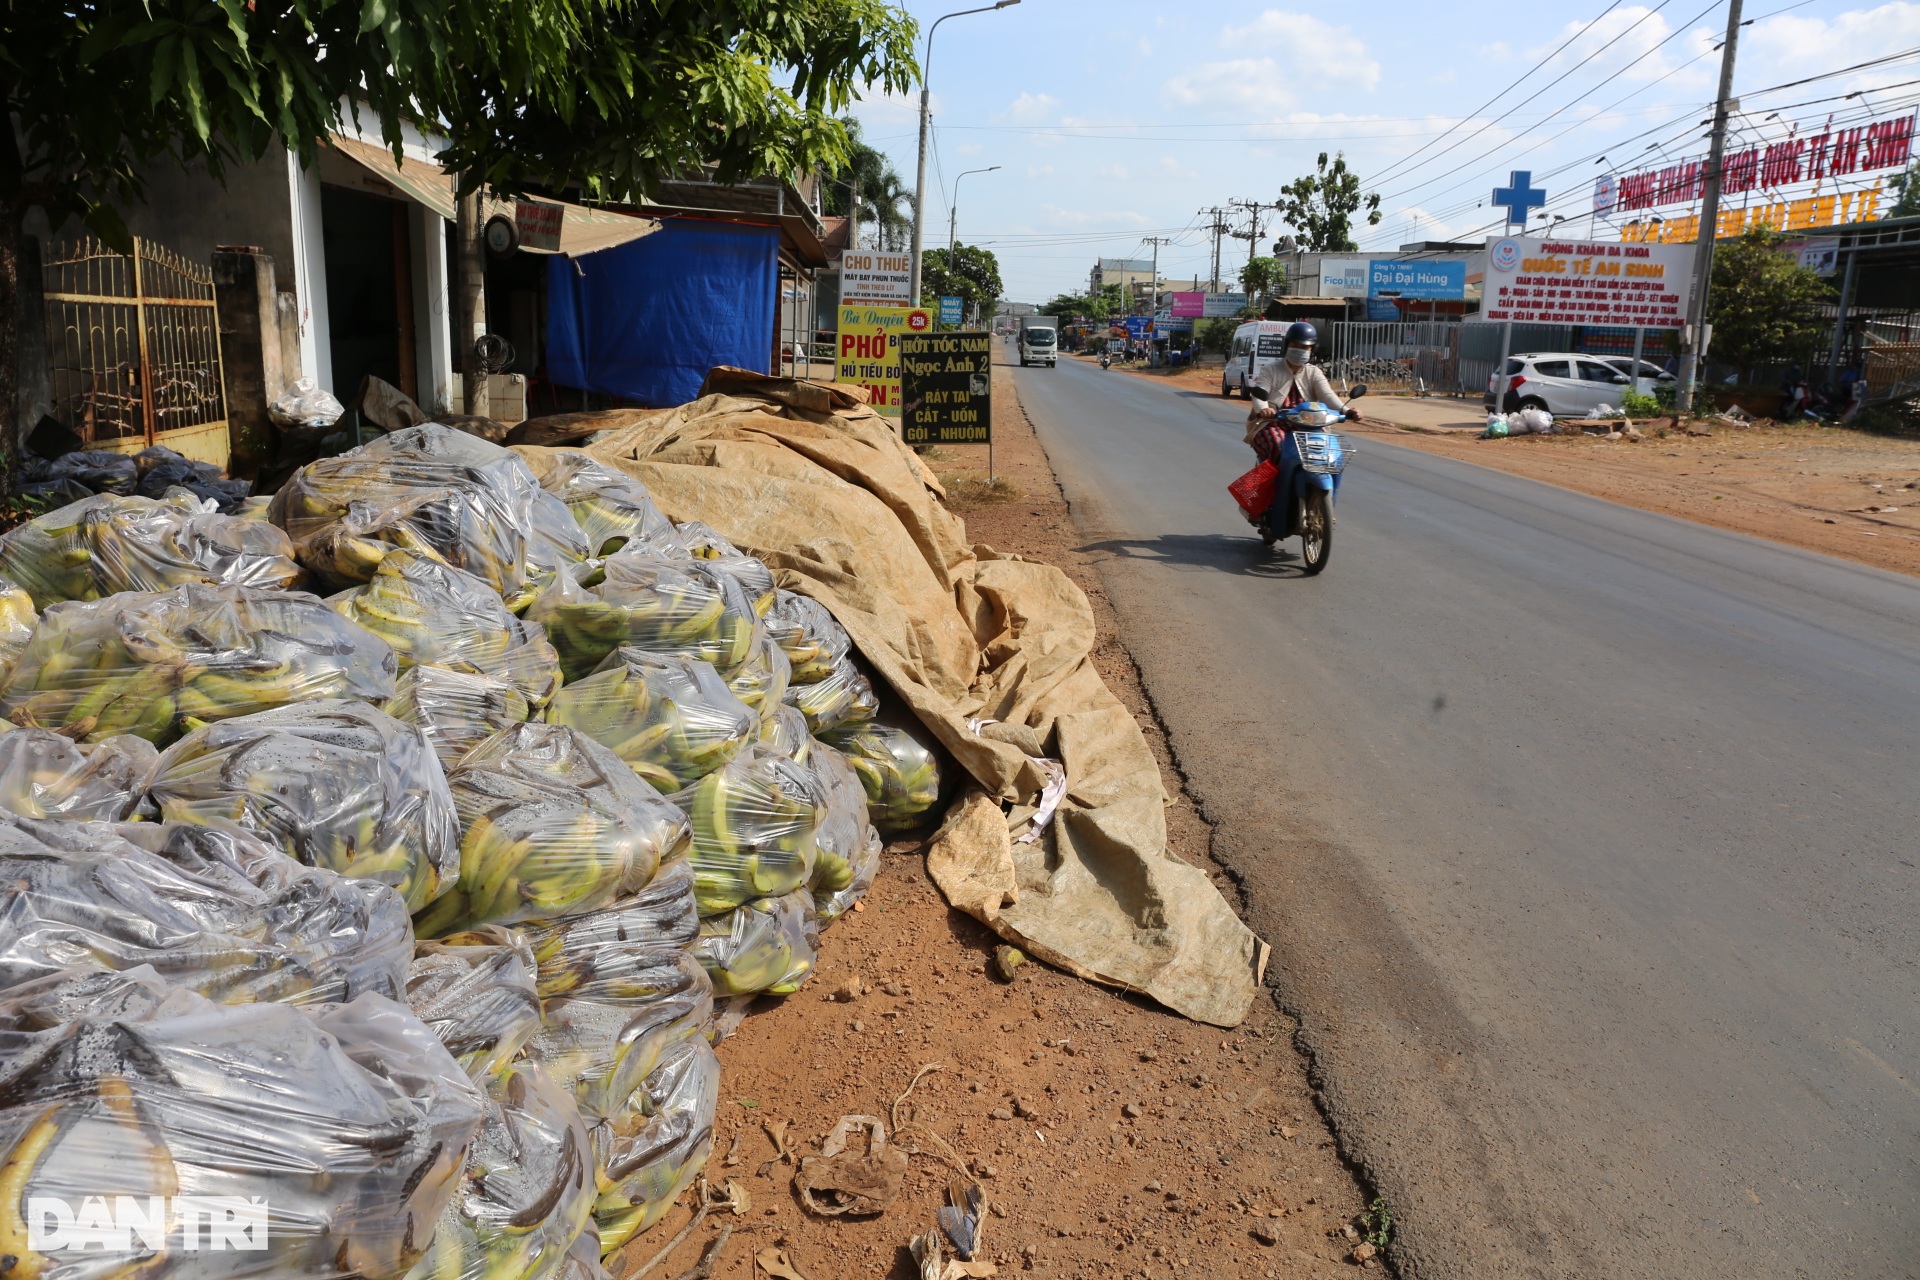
1316,532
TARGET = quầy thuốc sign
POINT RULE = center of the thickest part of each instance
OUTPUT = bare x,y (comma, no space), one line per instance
1571,282
946,388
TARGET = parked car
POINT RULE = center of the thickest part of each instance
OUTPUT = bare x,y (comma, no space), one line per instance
1564,383
1649,371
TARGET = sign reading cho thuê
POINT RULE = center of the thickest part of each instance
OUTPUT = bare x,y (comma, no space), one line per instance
946,382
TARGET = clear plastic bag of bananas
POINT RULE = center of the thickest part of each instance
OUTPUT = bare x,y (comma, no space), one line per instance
755,828
764,947
335,783
157,664
612,508
436,615
528,1189
18,618
844,697
428,488
219,913
48,775
672,719
703,542
658,1145
813,641
849,846
552,825
761,681
456,711
255,1140
785,731
901,774
107,544
687,608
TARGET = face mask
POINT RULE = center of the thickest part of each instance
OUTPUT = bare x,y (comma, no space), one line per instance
1297,356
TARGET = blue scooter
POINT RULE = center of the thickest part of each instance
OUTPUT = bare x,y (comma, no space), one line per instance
1311,461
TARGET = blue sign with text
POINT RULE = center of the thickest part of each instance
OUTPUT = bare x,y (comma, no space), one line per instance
950,307
1391,279
1139,328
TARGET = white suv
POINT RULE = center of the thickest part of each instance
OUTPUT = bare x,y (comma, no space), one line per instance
1564,383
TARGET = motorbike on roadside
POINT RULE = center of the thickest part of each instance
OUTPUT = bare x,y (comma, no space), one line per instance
1106,361
1312,459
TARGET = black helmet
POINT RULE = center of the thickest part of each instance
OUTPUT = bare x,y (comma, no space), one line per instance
1302,334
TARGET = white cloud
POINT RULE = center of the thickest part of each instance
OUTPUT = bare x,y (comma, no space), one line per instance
1172,167
969,148
1030,108
1081,217
1630,44
1242,85
1039,171
1116,172
1338,56
1790,47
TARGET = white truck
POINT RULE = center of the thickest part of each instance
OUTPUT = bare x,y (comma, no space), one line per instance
1039,340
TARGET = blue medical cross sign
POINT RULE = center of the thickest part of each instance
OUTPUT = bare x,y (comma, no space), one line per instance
1519,195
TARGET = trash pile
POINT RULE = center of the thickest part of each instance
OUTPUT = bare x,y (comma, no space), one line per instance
154,472
387,933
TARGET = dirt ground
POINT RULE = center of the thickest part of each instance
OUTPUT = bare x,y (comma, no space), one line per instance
1834,490
1113,1139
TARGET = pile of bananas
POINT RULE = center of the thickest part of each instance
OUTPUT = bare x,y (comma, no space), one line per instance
755,829
18,618
225,916
159,663
48,775
703,542
348,1123
107,544
611,508
552,825
785,731
813,641
682,607
658,1145
457,712
843,698
528,1189
672,719
901,774
436,615
761,681
335,783
849,854
766,946
428,488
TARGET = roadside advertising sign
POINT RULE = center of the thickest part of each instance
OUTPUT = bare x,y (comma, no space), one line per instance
1344,277
1207,306
946,387
1575,282
538,224
882,279
869,350
950,308
1139,328
1606,194
1819,254
1389,278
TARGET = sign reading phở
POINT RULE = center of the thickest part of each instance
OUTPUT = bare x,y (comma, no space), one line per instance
1569,282
869,351
538,224
946,386
879,278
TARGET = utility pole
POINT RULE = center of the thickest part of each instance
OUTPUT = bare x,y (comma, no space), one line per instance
470,311
1253,208
853,215
1709,218
1218,228
1156,242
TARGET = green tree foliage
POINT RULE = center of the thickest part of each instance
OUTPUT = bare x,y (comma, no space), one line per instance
974,275
1907,183
1762,303
1262,276
608,96
1319,206
1109,302
886,204
1215,335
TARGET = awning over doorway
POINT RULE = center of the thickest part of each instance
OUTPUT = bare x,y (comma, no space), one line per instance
420,180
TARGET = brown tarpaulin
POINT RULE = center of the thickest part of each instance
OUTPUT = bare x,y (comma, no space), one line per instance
809,479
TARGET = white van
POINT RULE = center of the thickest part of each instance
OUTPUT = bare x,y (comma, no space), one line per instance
1254,341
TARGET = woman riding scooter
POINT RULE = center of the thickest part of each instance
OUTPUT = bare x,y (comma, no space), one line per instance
1293,379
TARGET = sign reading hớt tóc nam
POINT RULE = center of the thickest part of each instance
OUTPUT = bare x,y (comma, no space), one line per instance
946,388
881,278
1572,282
868,355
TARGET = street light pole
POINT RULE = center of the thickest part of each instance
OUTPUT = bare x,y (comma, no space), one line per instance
1709,219
920,178
953,215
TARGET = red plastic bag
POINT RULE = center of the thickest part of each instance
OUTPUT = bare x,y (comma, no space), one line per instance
1254,490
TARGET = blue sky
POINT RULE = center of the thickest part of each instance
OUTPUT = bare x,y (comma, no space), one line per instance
1118,121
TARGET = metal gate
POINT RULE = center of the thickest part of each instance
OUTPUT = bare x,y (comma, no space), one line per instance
133,348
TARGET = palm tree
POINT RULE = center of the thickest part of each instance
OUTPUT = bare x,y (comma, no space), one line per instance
882,193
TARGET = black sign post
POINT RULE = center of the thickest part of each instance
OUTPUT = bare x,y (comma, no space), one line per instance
946,389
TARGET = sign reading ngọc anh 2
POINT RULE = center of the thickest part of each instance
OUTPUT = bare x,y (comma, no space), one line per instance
1573,282
868,355
946,388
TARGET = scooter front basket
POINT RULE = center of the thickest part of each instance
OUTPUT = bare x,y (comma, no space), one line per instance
1322,452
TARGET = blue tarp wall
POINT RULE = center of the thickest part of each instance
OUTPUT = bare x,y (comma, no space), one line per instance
647,320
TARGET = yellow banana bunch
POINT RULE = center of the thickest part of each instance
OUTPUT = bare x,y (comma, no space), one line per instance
900,773
335,783
433,614
766,946
156,664
456,711
611,508
672,719
552,825
17,621
849,846
654,1149
686,608
478,997
813,641
703,542
761,681
48,775
755,829
785,731
844,698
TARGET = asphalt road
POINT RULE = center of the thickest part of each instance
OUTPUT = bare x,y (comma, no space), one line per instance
1586,840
